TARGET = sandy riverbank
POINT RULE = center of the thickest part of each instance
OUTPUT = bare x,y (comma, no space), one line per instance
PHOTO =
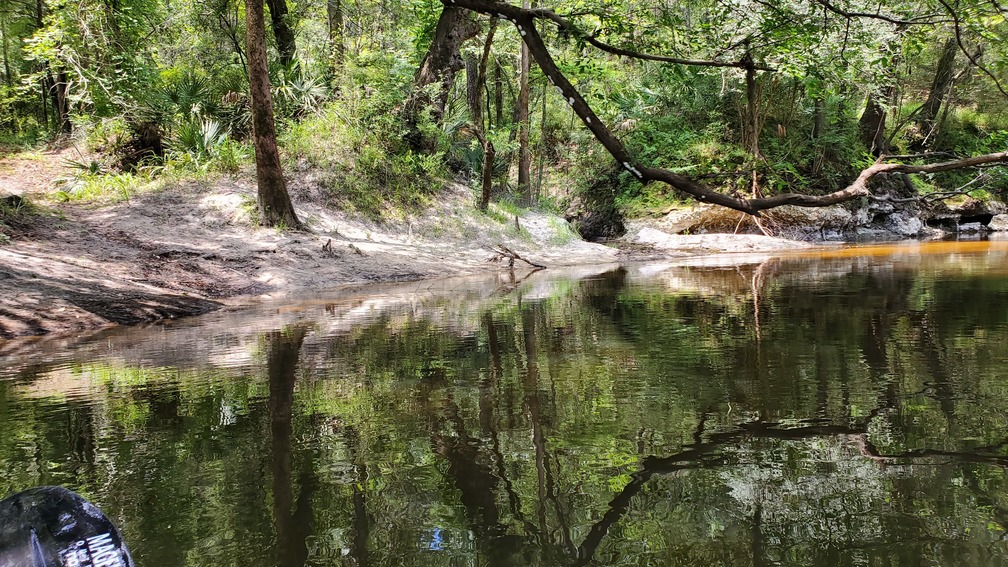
192,248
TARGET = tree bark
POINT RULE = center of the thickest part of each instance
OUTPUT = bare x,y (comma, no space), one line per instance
524,20
334,15
752,118
62,88
475,83
498,95
872,126
6,56
455,26
474,96
275,205
939,89
55,90
486,173
282,31
524,155
818,117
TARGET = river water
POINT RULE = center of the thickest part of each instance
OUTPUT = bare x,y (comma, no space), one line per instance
847,407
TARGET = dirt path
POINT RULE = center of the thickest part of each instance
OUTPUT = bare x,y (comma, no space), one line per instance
191,248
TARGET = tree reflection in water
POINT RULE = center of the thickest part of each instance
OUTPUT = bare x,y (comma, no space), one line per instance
292,521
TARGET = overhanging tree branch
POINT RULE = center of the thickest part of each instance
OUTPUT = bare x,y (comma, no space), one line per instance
512,12
929,19
524,20
975,60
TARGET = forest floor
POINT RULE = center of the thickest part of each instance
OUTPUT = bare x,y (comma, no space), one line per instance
192,247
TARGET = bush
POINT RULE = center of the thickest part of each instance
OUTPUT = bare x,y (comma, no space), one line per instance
357,142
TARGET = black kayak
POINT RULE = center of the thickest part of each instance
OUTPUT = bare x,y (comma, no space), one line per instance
50,526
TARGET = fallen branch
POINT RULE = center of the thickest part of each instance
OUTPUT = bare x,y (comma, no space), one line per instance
503,252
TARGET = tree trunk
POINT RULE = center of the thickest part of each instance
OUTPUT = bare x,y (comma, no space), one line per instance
44,96
939,89
818,126
752,123
542,149
334,15
230,28
275,205
498,95
475,84
57,92
282,31
524,155
6,55
455,26
818,117
474,95
872,126
486,174
52,90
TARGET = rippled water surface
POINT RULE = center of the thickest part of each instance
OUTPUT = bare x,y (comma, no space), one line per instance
838,408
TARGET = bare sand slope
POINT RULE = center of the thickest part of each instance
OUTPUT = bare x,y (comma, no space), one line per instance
193,247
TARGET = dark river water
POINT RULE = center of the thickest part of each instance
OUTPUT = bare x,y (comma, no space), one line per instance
847,407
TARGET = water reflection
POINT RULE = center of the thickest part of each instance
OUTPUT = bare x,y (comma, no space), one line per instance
292,521
844,410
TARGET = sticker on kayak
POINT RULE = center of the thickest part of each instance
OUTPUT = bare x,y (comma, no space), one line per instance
50,526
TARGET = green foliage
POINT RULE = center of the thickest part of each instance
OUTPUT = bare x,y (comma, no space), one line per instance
199,138
251,209
15,211
19,125
182,69
968,132
296,94
357,142
87,185
105,136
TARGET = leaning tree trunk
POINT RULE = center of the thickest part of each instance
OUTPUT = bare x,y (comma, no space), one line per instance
282,31
939,89
275,207
455,26
872,125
